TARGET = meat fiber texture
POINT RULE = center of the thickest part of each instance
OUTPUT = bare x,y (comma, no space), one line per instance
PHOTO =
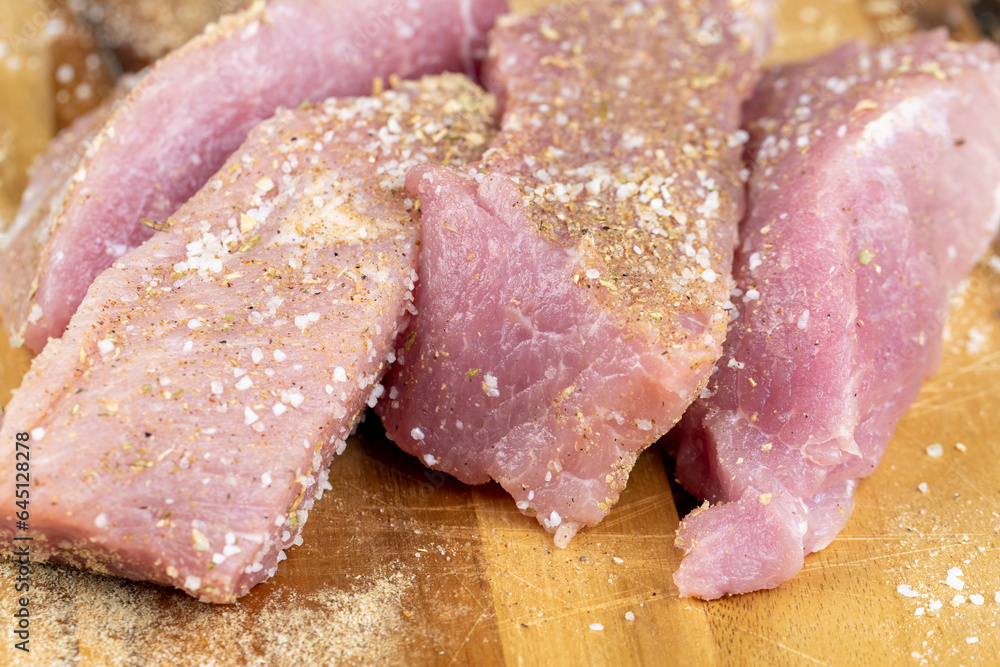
572,284
182,427
193,109
875,189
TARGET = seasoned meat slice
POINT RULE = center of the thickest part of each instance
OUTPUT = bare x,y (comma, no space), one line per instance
183,425
192,110
875,189
572,283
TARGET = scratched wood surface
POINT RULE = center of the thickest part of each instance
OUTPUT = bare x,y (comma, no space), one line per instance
402,565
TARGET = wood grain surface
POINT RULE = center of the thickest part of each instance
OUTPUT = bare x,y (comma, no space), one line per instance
403,565
51,72
26,99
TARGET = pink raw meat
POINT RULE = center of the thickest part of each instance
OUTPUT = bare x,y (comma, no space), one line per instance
875,189
183,425
571,293
192,110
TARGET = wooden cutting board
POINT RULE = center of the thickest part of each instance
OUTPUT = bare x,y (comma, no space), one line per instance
404,565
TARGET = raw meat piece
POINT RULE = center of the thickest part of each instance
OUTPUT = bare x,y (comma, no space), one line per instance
48,180
571,289
182,426
875,189
193,109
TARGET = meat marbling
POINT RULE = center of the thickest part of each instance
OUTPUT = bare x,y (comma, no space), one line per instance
570,303
182,426
875,188
192,110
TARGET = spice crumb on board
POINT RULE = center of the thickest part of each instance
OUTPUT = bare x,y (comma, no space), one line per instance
121,620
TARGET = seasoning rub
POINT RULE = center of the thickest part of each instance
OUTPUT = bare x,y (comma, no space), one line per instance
187,418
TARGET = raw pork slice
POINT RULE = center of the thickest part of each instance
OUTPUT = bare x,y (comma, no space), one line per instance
876,186
182,426
65,152
572,283
193,109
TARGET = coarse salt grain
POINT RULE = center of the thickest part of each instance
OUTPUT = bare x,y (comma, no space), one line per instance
490,385
417,434
923,487
596,627
629,616
953,579
339,374
249,416
904,589
977,599
216,387
803,320
101,521
265,480
279,356
257,355
935,451
106,346
244,383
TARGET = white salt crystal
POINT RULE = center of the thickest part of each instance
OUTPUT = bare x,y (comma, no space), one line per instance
953,579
